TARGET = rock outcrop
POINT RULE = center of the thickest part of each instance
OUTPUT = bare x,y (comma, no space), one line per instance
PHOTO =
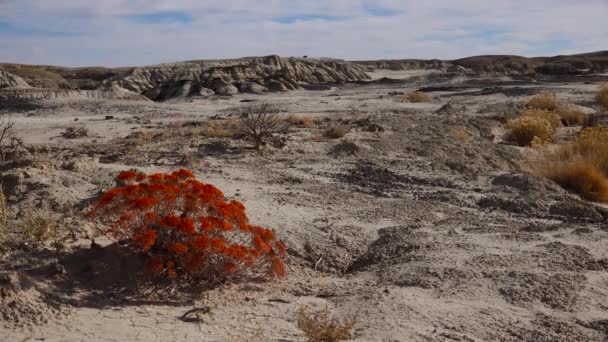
10,80
254,75
404,64
23,96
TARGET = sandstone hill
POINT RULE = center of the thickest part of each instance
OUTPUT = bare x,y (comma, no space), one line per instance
595,62
23,83
177,80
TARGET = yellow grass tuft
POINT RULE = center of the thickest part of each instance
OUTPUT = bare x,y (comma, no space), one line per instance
301,121
336,132
321,327
530,124
459,133
222,128
416,97
544,100
580,177
570,116
602,96
581,166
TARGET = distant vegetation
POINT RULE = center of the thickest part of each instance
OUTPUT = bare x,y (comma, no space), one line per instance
416,97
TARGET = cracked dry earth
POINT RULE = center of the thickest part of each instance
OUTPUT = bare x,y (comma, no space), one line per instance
420,223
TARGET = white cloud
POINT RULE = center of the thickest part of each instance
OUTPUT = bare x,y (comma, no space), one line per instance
419,29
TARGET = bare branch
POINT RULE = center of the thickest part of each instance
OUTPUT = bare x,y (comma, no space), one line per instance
258,122
6,135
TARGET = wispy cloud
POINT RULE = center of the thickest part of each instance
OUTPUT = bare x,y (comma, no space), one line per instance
307,17
133,32
168,17
380,11
8,29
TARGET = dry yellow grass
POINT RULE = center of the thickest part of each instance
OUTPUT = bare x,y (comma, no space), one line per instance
533,123
570,116
3,205
38,228
222,128
336,132
459,133
580,166
578,176
602,96
416,97
551,117
544,100
321,327
301,121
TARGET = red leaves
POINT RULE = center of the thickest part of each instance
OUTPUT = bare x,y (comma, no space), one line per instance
178,248
127,176
146,239
143,203
189,228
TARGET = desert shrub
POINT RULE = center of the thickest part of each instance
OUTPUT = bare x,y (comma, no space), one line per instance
532,123
594,119
580,166
416,97
335,132
188,229
544,100
301,121
75,132
38,228
592,145
321,327
258,122
6,136
459,133
3,205
580,177
571,116
602,96
551,117
222,128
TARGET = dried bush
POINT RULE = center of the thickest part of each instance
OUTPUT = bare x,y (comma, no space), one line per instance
581,166
38,228
258,122
592,145
594,119
550,116
75,132
459,133
301,121
188,229
571,116
321,327
336,132
6,136
416,97
222,128
545,100
602,96
533,123
3,205
580,177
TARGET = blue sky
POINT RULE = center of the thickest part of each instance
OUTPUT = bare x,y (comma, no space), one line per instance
136,32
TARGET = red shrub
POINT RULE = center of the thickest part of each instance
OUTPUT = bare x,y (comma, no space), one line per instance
188,229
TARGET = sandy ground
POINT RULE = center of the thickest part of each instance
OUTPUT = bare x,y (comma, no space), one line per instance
420,231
